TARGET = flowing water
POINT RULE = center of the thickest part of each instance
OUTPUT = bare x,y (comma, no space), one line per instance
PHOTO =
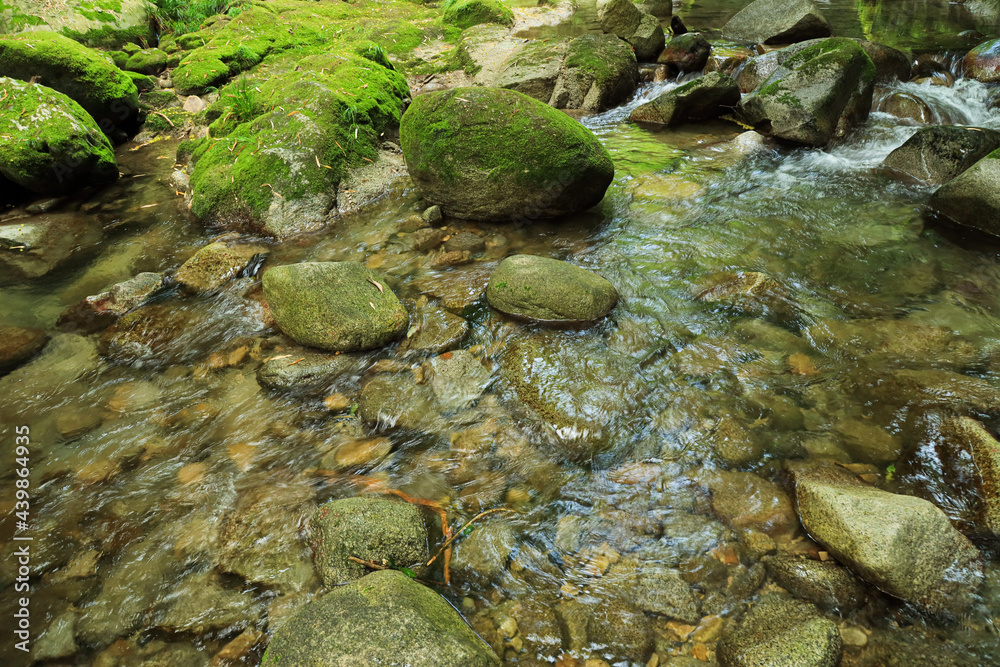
151,479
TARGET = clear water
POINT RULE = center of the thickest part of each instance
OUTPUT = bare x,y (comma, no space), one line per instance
187,455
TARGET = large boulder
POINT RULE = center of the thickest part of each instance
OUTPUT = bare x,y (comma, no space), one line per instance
372,529
592,72
18,345
385,618
686,53
336,306
494,154
643,31
708,97
83,75
777,22
983,62
903,545
818,94
467,13
972,198
549,290
935,155
60,149
781,631
92,22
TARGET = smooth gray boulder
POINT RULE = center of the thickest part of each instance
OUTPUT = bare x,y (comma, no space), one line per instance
549,290
643,31
777,22
972,198
781,631
372,529
816,95
336,306
903,545
935,155
709,97
384,619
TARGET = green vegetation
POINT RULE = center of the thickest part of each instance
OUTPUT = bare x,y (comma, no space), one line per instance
467,13
184,16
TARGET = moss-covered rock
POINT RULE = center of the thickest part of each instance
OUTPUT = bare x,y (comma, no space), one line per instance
216,264
142,82
708,97
60,149
96,23
275,166
373,529
777,22
549,290
160,99
467,13
120,58
385,618
337,306
818,94
104,91
493,154
643,31
781,631
193,76
148,61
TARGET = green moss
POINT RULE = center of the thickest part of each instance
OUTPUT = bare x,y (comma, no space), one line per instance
468,13
142,82
119,58
186,149
167,120
86,76
194,75
149,61
159,99
61,149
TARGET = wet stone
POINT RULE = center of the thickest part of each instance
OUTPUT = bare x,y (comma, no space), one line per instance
482,557
465,242
549,290
304,371
427,239
18,345
744,500
826,584
146,335
358,453
623,630
935,155
216,264
459,379
198,604
964,434
438,330
396,400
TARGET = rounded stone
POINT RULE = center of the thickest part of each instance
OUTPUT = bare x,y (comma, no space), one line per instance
337,306
549,290
983,62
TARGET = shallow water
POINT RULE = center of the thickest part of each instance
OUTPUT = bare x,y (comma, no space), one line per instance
151,479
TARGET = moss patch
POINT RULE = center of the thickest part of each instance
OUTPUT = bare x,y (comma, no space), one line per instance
467,13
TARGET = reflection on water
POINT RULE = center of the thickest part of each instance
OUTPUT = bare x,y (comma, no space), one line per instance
776,305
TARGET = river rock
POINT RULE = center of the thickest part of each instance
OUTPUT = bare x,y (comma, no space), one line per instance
373,529
777,22
305,371
968,436
686,53
907,107
84,18
935,155
643,31
459,379
215,265
18,345
66,358
385,618
818,94
656,590
146,335
549,290
83,75
61,150
972,198
826,584
467,13
97,312
781,631
336,306
483,556
983,62
624,629
903,545
198,604
708,97
259,537
58,639
744,501
391,400
493,154
438,330
45,243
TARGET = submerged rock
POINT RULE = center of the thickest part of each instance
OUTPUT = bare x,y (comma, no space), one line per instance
391,400
336,306
968,436
972,198
708,97
935,155
304,371
777,22
438,330
372,529
818,94
146,335
216,264
494,154
82,74
549,290
643,31
18,345
826,584
60,150
45,243
385,618
483,556
781,631
459,379
903,545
